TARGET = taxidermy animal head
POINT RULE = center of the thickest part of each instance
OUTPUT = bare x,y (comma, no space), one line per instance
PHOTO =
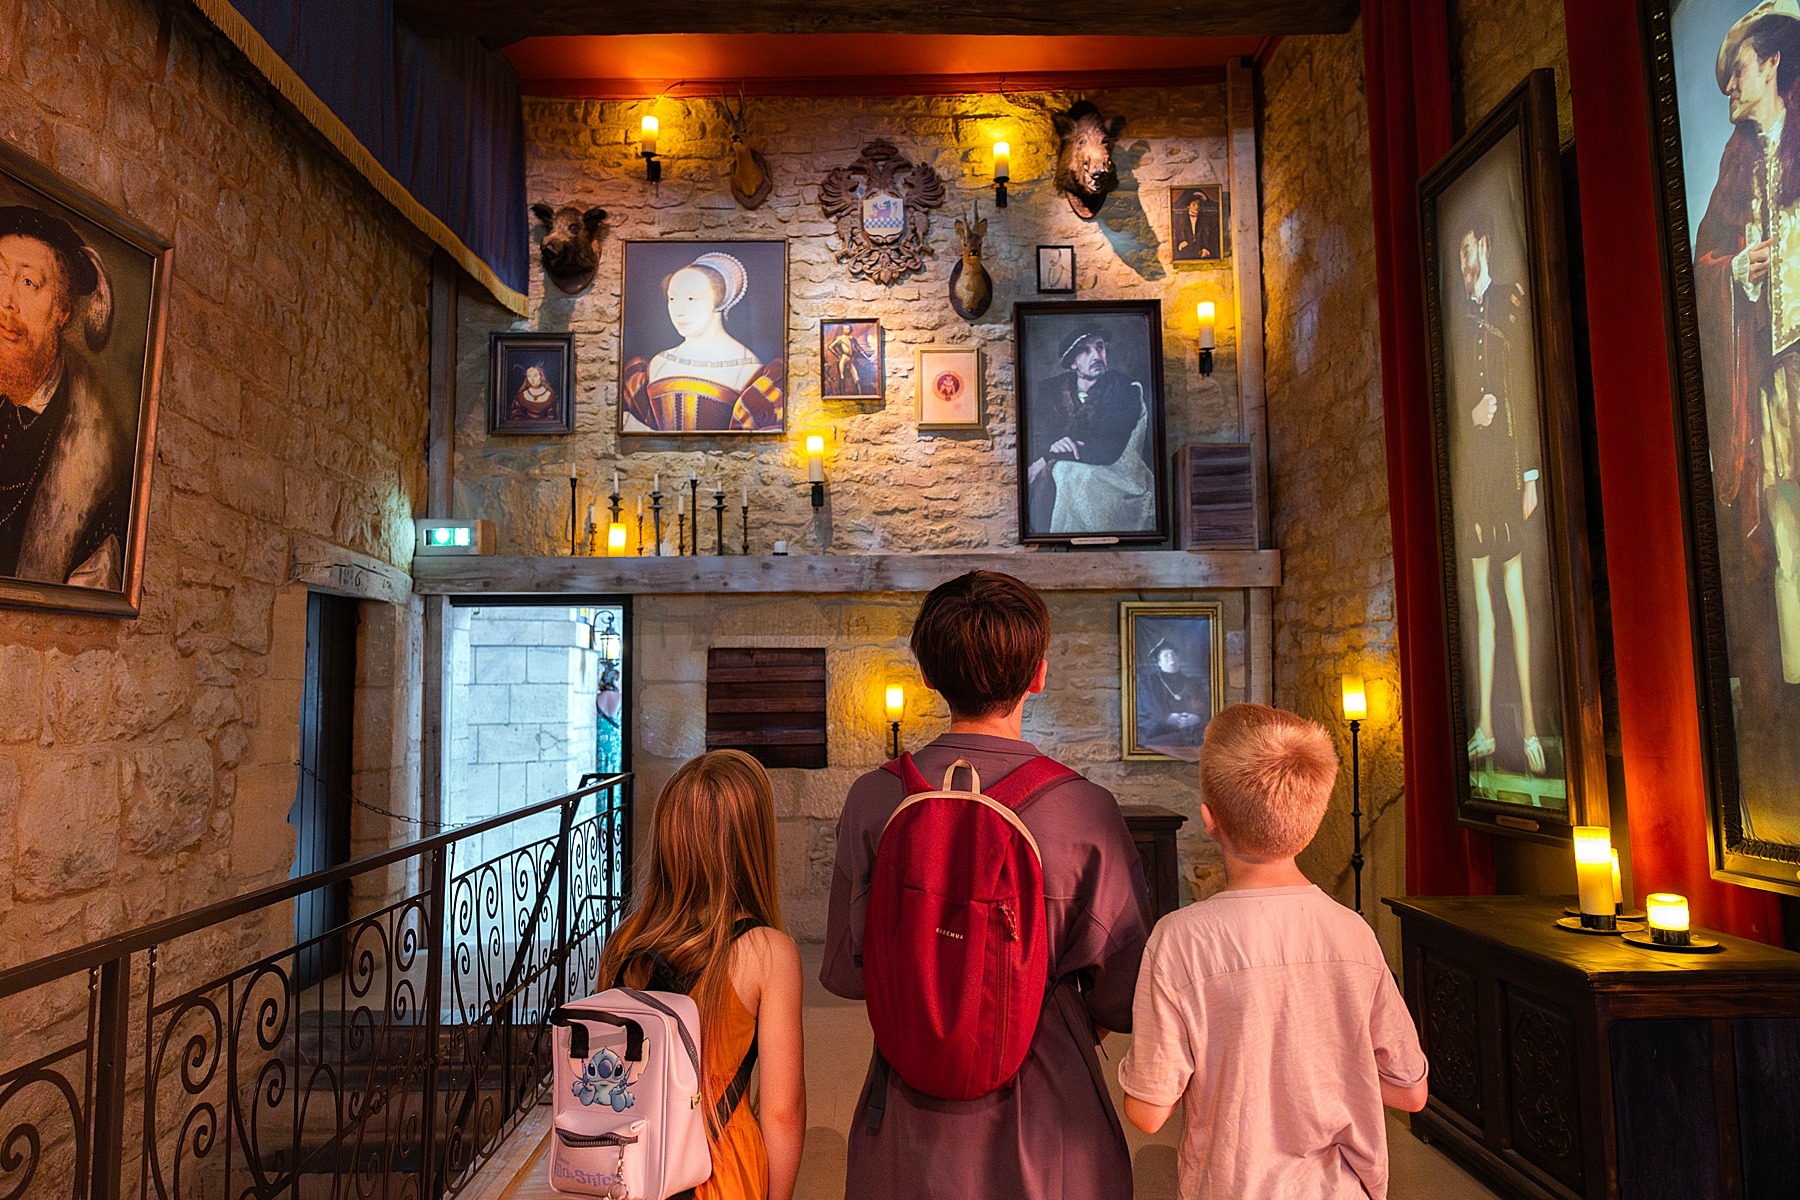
750,176
1084,167
569,252
971,290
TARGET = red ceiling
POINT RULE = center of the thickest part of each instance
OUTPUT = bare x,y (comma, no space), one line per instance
635,65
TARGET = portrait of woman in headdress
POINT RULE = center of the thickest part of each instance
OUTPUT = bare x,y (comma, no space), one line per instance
725,302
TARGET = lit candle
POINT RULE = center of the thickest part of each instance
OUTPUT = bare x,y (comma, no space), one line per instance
896,701
1205,312
1002,162
648,127
1618,884
1668,918
615,539
1593,875
815,457
1356,700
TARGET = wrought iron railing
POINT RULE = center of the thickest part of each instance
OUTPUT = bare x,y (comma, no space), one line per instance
186,1060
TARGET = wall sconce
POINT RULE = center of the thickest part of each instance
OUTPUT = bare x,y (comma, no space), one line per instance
1593,877
896,708
1205,310
1002,172
615,539
815,467
647,149
1356,708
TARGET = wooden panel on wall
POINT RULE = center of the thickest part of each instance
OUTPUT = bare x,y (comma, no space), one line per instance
769,703
1215,489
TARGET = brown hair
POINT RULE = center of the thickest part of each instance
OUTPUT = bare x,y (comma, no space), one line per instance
1267,776
979,639
711,860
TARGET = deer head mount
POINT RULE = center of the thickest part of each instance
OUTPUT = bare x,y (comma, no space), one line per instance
1084,166
971,289
751,180
569,251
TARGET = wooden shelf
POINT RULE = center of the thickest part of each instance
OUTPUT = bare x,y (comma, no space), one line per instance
1082,570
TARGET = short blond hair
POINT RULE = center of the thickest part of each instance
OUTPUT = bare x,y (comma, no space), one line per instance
1267,776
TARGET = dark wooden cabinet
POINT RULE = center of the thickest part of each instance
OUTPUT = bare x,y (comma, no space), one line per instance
1566,1065
1153,829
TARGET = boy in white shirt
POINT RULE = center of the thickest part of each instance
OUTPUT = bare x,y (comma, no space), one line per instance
1268,1010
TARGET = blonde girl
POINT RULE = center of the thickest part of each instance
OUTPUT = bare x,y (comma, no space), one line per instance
707,920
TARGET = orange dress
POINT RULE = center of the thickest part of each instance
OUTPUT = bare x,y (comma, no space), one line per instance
740,1160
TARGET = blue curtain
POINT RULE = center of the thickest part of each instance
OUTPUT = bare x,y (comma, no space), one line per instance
441,115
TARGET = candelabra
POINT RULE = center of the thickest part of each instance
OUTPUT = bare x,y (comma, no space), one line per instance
746,509
718,520
681,531
615,503
656,519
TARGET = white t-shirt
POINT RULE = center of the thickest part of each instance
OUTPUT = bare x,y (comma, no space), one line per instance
1271,1014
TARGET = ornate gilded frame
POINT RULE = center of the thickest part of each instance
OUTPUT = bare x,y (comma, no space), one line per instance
1130,611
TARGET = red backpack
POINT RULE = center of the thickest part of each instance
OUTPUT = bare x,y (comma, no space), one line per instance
956,959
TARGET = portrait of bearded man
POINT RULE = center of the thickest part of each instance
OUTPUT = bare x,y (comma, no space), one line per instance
66,450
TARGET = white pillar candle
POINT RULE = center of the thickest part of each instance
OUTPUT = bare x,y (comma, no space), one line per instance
1593,870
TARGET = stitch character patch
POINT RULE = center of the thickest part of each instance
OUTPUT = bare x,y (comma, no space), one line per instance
603,1081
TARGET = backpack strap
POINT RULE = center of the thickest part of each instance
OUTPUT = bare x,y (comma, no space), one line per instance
908,773
573,1019
1027,783
687,1039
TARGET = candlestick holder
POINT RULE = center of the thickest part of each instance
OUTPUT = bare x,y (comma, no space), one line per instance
656,519
1356,854
615,505
746,509
681,532
640,532
718,522
694,507
574,521
592,532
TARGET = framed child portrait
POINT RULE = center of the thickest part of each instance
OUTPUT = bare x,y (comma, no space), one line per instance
533,384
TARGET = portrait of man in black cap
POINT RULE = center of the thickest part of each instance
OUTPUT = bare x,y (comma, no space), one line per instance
1087,469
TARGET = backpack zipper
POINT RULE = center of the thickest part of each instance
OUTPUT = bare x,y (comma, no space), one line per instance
1011,920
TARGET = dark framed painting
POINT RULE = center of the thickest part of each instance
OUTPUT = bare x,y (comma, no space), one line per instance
703,338
1199,225
531,388
84,290
1512,514
1056,270
1721,74
851,361
1091,465
1171,676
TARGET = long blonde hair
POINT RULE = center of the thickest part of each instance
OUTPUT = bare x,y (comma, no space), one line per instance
712,859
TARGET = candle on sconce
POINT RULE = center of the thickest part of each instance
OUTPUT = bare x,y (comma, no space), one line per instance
1668,918
895,701
1002,162
648,129
1593,876
1207,312
1356,698
615,540
815,457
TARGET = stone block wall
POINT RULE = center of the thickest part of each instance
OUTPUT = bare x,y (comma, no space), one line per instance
891,488
1496,43
147,766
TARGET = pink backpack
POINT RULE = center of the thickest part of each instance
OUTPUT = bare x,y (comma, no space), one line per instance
956,959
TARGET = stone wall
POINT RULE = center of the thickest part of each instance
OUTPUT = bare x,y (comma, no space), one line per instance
147,766
891,488
1496,43
1327,461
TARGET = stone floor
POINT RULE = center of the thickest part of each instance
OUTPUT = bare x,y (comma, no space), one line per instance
837,1050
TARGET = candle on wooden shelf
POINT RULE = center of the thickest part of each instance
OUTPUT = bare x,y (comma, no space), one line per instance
1206,312
746,496
615,483
1618,884
680,505
640,508
615,539
656,482
1593,875
1668,918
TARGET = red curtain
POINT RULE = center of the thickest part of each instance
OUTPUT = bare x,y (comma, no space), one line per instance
1406,72
1640,481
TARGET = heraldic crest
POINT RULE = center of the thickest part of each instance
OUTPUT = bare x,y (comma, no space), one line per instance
882,205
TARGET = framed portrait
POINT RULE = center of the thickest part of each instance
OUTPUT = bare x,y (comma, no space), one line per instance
703,338
531,388
1512,516
851,366
1719,75
1199,225
1056,269
89,300
1171,676
948,385
1091,464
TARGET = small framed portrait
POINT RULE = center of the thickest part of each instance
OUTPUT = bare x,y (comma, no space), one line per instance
947,380
703,338
533,384
1523,663
81,340
1171,676
850,361
1056,269
1091,462
1199,226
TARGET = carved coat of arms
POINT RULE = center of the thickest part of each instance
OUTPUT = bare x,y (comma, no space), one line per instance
882,205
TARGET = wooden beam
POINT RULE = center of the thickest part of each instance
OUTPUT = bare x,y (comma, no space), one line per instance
848,574
506,20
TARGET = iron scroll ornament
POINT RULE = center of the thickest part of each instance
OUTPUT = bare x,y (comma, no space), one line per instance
882,206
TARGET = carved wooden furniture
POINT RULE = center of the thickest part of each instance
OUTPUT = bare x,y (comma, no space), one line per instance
1153,829
1565,1065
